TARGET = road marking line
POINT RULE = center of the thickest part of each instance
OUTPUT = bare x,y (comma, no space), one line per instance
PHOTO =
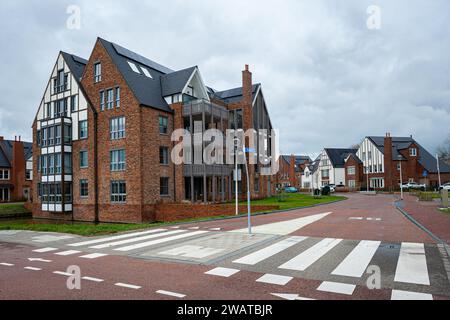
67,253
93,279
311,255
336,287
33,268
355,218
355,264
215,229
6,264
158,241
63,273
285,227
117,243
126,285
378,219
172,294
290,296
409,295
274,279
194,228
43,250
93,255
123,236
412,264
269,251
191,251
369,219
175,227
222,272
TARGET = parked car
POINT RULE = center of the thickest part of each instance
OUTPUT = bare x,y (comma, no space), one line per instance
414,185
331,186
445,186
290,190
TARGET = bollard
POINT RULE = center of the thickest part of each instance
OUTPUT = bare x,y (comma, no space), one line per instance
444,195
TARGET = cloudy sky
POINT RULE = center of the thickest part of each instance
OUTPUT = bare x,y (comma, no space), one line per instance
328,79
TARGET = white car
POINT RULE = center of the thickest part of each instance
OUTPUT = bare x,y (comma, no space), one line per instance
413,185
445,186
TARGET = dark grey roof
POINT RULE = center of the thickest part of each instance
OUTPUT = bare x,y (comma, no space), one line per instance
235,94
6,152
75,63
337,156
147,90
399,143
175,82
299,160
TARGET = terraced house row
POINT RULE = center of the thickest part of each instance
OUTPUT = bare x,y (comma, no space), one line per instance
102,137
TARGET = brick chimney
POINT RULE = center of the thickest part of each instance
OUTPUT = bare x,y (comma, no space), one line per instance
292,177
247,86
18,168
1,138
388,163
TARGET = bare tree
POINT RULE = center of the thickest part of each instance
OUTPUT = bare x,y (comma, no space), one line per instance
444,150
355,146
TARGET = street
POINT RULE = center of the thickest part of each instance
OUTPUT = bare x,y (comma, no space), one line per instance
361,248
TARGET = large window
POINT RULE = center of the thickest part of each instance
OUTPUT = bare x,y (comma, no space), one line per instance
73,103
58,163
97,72
352,184
117,97
83,129
117,160
60,108
84,188
102,100
58,134
163,125
118,191
164,186
83,159
109,99
325,174
4,195
164,155
117,128
60,82
52,192
67,163
4,174
351,170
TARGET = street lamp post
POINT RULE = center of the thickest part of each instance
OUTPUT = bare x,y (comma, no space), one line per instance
237,141
439,171
236,176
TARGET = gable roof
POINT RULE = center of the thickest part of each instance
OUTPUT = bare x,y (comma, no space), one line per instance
75,64
147,90
175,82
426,160
354,156
337,156
6,152
235,94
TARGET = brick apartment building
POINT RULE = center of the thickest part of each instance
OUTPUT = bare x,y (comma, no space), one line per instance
290,170
15,170
380,158
102,137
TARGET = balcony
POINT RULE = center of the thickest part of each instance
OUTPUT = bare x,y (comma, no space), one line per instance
197,107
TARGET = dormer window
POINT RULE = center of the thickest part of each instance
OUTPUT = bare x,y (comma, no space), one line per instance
97,72
413,152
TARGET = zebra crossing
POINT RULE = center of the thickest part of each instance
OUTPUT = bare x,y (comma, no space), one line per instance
412,270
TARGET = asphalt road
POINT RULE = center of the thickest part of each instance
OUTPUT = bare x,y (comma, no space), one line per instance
316,253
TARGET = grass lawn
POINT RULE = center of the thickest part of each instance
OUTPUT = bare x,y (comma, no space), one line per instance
445,211
11,208
86,229
296,200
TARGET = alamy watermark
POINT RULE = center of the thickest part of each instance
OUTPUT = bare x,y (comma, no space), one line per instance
374,19
74,20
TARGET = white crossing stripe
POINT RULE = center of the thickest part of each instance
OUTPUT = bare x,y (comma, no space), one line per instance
93,255
67,253
215,229
269,251
355,218
355,264
93,279
172,294
63,273
43,250
409,295
120,242
33,268
191,251
112,238
194,228
274,279
285,227
126,285
412,264
308,257
222,272
6,264
158,241
336,287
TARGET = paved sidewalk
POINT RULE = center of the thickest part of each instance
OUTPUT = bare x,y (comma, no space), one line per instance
427,214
